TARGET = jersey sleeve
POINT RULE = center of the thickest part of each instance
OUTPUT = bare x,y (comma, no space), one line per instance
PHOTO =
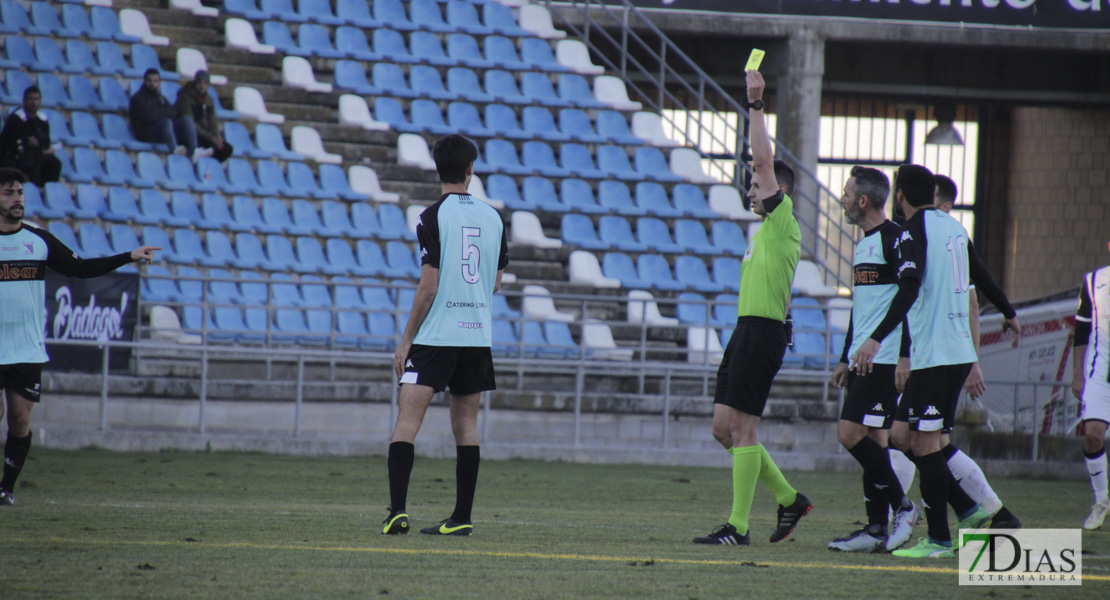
1083,315
61,259
427,234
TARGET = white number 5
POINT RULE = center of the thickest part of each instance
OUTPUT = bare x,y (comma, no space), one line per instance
470,251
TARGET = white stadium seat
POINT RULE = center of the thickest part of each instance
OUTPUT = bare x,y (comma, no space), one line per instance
306,140
808,280
648,126
537,19
195,7
413,151
133,22
478,190
527,231
686,163
412,215
703,346
585,269
840,312
642,308
250,105
191,60
726,200
599,342
239,33
539,306
364,180
574,55
354,111
611,91
297,72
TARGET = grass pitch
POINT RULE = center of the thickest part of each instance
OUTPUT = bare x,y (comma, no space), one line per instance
100,524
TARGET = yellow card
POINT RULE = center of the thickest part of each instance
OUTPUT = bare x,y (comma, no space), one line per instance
755,59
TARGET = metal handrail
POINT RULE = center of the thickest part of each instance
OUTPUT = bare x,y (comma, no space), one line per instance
827,245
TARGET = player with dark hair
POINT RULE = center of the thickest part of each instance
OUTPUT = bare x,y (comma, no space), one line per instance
25,255
1090,382
754,353
446,343
886,281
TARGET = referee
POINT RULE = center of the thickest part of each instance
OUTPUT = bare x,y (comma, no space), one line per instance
754,353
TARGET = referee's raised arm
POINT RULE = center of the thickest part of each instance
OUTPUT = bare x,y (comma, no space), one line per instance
763,157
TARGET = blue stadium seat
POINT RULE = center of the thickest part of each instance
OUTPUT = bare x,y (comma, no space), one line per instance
65,235
655,232
501,51
692,310
618,231
283,10
59,202
464,85
217,244
538,121
303,182
59,130
390,111
537,88
724,310
653,198
289,323
316,41
211,172
729,238
578,196
463,117
311,254
182,173
540,157
654,268
87,163
399,256
280,251
104,20
653,165
392,12
502,119
391,46
305,217
333,180
393,225
110,61
46,20
350,75
691,235
577,159
123,207
275,215
618,265
426,15
257,321
692,271
391,80
241,174
540,191
154,209
15,82
83,94
535,344
271,173
54,93
246,213
537,52
215,209
691,201
187,244
463,49
144,57
91,200
426,47
118,165
157,237
32,202
253,289
50,58
67,168
501,308
579,230
14,19
117,131
505,342
499,19
426,116
503,188
351,327
726,271
223,114
237,135
501,156
269,137
614,196
340,257
336,221
111,94
464,17
228,325
152,169
252,255
158,287
503,87
346,296
352,42
184,206
357,13
576,91
80,56
383,333
559,338
614,127
318,11
613,160
365,219
371,259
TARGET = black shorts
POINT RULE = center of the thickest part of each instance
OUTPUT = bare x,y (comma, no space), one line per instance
752,358
871,399
931,395
24,379
464,369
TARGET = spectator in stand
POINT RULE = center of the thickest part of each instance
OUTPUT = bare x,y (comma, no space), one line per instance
153,115
196,120
25,141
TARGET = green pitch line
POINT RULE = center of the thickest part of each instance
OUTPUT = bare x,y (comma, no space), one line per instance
900,568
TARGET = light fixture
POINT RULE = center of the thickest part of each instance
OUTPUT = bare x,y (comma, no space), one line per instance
944,134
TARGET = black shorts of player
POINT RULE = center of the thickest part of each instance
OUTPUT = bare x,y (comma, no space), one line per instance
464,369
871,399
24,379
752,358
931,395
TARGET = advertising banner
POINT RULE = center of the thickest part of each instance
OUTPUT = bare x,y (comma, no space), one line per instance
102,308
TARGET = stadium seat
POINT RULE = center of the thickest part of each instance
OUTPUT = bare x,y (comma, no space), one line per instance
413,151
392,12
655,232
393,224
250,105
691,235
352,43
346,291
158,285
282,10
275,214
501,52
691,270
576,91
364,180
537,20
253,256
239,33
655,270
526,230
538,54
157,237
427,117
463,16
541,158
184,206
536,120
576,195
350,75
463,49
75,19
613,126
284,292
390,112
306,217
271,173
642,308
133,22
574,55
478,190
653,199
503,87
651,164
371,259
599,342
648,126
614,196
537,88
268,138
577,159
88,165
297,72
619,266
584,269
354,111
686,163
464,85
280,250
390,46
618,232
501,157
724,310
154,209
82,94
211,172
356,13
15,82
311,255
334,182
14,19
538,305
104,20
725,200
122,206
703,346
195,7
306,140
464,118
613,160
54,93
191,60
576,123
503,189
611,91
247,215
426,47
540,191
215,209
58,203
502,120
91,200
399,257
728,238
183,174
111,93
50,56
340,256
318,11
809,281
690,200
187,244
116,130
579,231
500,19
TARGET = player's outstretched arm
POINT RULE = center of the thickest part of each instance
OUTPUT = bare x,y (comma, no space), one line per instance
144,253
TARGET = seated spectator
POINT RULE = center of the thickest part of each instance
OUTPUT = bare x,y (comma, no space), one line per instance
196,125
152,114
25,141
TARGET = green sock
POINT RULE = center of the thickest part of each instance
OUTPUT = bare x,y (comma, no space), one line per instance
771,476
745,471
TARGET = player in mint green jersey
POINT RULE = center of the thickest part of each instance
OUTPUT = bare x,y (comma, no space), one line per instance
754,353
446,344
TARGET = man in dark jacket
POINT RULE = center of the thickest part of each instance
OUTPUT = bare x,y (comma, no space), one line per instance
152,114
196,114
25,141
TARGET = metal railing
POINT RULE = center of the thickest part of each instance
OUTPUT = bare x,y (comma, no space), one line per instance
715,124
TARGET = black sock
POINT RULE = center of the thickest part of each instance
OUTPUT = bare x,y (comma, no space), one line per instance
876,460
873,501
401,457
15,454
934,494
466,479
958,499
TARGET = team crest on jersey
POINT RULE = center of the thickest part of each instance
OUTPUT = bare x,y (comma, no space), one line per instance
28,247
748,252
